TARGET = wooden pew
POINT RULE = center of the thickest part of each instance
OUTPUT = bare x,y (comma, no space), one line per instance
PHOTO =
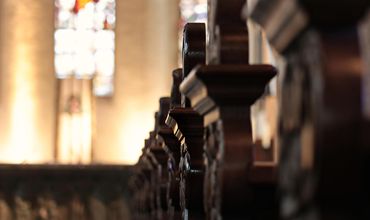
160,182
322,171
322,131
187,126
149,169
150,182
172,147
222,92
140,186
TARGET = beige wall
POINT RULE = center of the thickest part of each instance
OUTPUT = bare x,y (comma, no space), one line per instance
27,83
146,53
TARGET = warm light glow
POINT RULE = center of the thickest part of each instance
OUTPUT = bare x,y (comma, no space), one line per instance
23,144
264,120
27,96
75,121
125,120
135,130
75,146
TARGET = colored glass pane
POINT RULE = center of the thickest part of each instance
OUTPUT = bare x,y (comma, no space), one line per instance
193,10
85,41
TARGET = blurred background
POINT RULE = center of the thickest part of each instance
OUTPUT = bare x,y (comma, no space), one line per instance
80,79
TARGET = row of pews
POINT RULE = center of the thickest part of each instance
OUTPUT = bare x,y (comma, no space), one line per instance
63,192
268,117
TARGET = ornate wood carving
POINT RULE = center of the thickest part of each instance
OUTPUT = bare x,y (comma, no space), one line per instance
187,125
159,158
320,126
223,95
323,127
193,46
152,177
320,116
190,129
172,147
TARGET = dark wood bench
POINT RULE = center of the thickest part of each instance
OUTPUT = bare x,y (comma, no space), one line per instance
64,191
187,126
323,171
316,165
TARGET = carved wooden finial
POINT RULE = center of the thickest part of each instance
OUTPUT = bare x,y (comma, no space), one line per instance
176,97
156,122
193,49
194,46
164,107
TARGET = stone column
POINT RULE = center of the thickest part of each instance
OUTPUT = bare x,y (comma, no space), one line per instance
27,82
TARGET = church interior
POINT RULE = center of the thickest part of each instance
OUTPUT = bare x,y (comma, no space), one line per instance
184,109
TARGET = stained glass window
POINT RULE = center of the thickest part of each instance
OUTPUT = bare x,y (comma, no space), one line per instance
193,10
84,42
